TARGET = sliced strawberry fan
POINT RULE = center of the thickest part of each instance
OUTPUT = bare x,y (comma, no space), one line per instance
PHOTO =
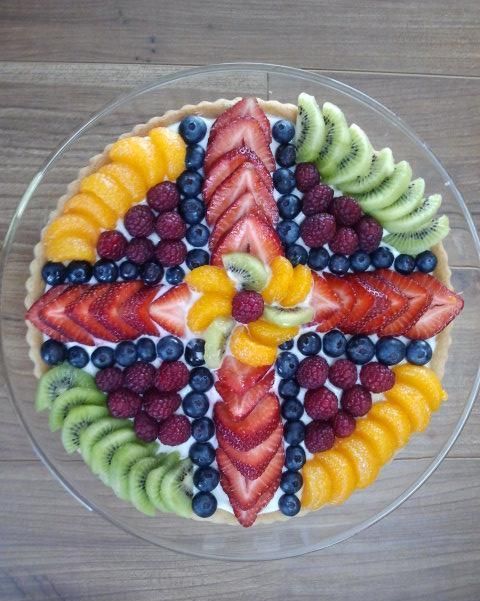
246,107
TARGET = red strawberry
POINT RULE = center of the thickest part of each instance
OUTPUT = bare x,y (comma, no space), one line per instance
245,205
361,307
378,309
227,164
81,312
170,309
240,132
253,235
345,295
246,107
325,303
135,312
247,517
33,314
107,308
241,403
238,376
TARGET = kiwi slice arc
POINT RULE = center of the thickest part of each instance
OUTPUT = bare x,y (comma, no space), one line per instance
122,461
421,239
176,488
424,213
77,420
155,479
137,479
216,336
282,316
98,430
388,191
337,138
408,202
69,399
310,131
246,269
58,380
103,450
356,163
382,166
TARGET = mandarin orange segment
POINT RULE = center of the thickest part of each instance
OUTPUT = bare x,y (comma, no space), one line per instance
363,457
72,225
277,287
92,208
128,177
378,436
142,154
208,278
342,474
109,191
172,148
270,334
248,351
414,404
299,287
206,309
394,418
68,249
423,379
317,485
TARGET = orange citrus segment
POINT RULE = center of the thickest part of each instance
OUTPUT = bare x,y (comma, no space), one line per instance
142,154
394,418
414,404
299,287
317,485
341,472
378,436
92,208
210,279
109,191
423,379
363,457
68,249
248,351
172,148
128,177
270,334
72,225
277,287
206,309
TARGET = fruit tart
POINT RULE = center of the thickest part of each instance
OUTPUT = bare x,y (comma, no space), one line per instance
238,312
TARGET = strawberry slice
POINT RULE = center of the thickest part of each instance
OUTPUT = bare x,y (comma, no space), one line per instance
380,306
81,312
245,205
364,302
325,303
170,309
345,295
252,430
252,235
33,314
244,179
135,312
239,377
54,315
241,403
246,107
107,309
240,132
247,517
227,164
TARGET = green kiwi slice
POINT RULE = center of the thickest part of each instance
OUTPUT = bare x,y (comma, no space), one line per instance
122,461
69,399
424,213
310,129
388,191
382,166
216,336
92,434
281,316
103,450
246,269
58,380
137,479
357,161
176,488
408,202
415,242
77,420
337,138
155,479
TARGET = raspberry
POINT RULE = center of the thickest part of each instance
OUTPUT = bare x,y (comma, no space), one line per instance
171,253
170,226
124,403
111,245
140,250
377,377
171,376
346,210
321,403
344,424
161,405
139,221
109,379
306,176
139,377
317,230
317,200
174,430
369,233
343,374
357,400
146,428
163,197
345,241
247,306
319,436
312,372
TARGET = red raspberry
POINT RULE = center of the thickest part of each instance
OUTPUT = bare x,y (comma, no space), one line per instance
171,376
343,373
171,253
306,176
344,424
317,200
170,226
124,403
111,245
319,436
109,379
139,377
146,428
317,230
163,197
161,405
312,372
321,403
369,233
346,210
174,430
357,400
345,241
247,306
140,250
139,221
377,377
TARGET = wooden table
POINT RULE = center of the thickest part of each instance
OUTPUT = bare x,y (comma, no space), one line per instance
61,62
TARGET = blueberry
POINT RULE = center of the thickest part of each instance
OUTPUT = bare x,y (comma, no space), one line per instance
79,272
53,352
294,432
318,258
419,352
389,350
192,210
295,457
206,479
103,356
129,271
204,504
283,131
195,404
334,343
292,409
309,343
289,206
288,389
289,505
201,379
426,261
151,272
77,356
286,155
202,453
146,351
202,429
283,180
190,183
195,157
296,254
54,273
291,482
382,257
194,352
288,231
286,364
359,349
360,261
197,235
126,353
105,271
286,346
174,275
169,348
339,264
404,264
196,258
192,129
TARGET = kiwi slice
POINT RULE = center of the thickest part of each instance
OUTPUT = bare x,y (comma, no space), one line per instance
176,488
103,450
155,479
246,269
382,166
357,161
77,420
69,399
415,242
408,202
122,461
310,129
137,479
216,336
92,434
416,218
58,380
337,139
388,191
281,316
